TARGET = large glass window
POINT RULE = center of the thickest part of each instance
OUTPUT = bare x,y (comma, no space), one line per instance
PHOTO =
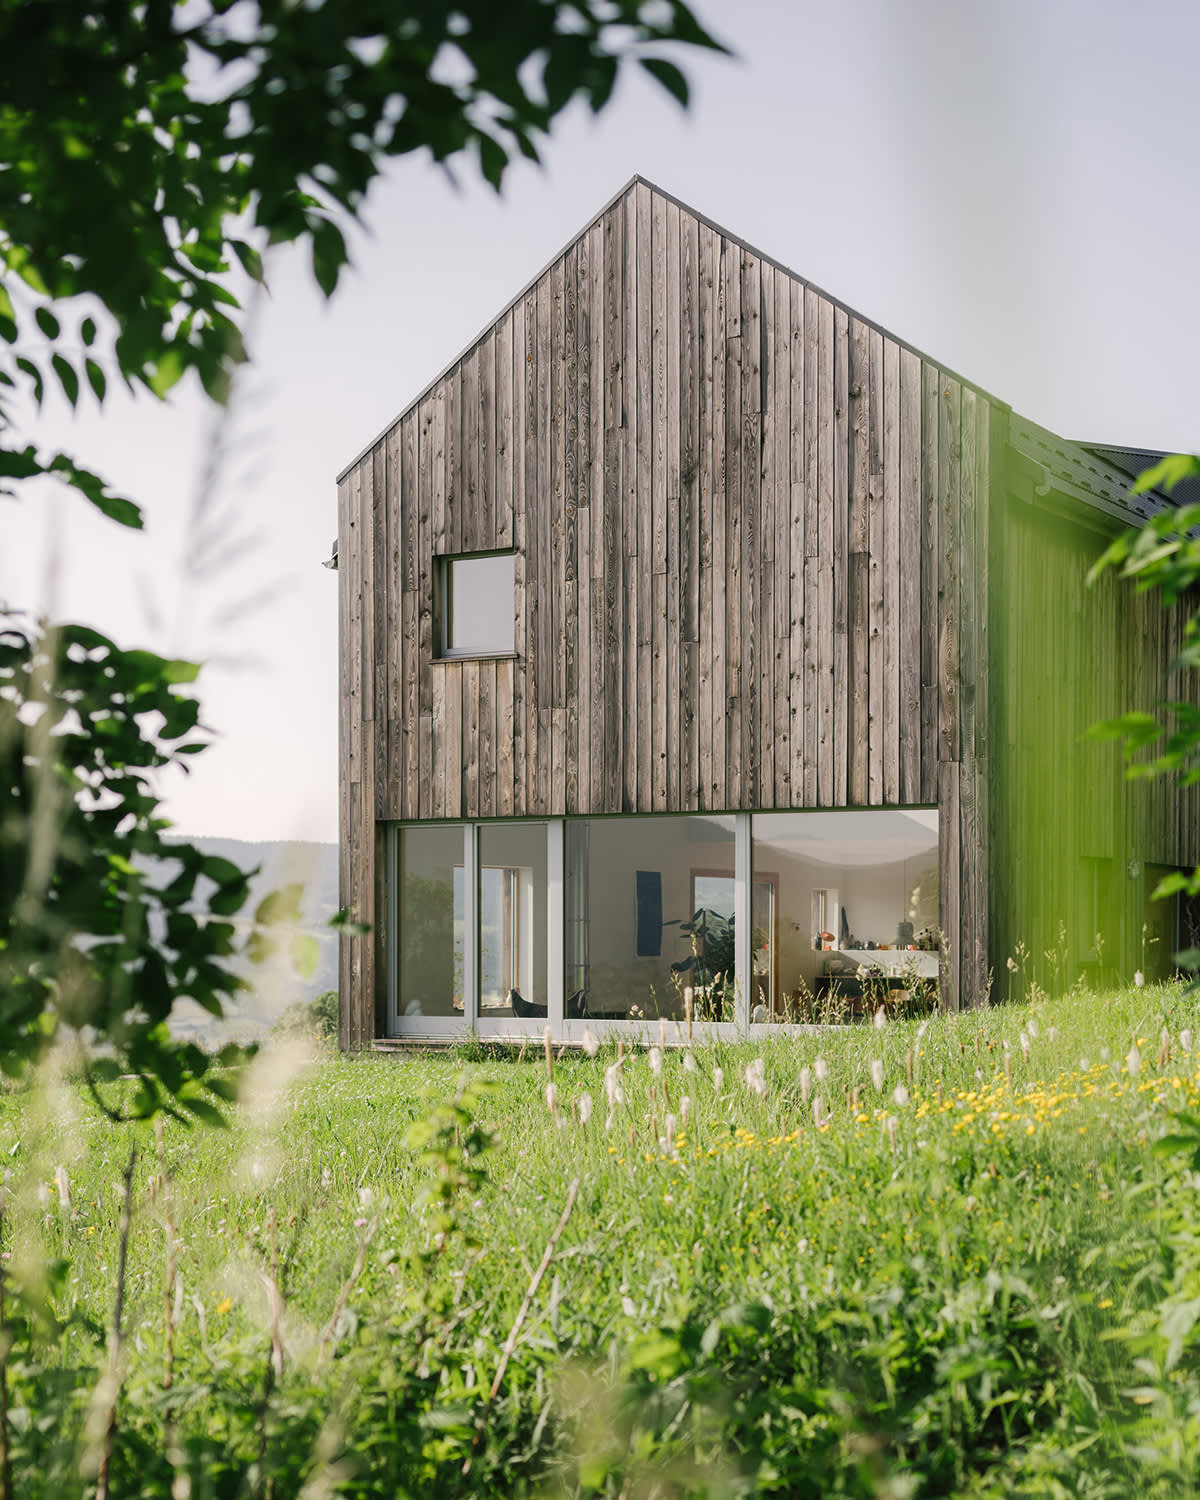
430,978
649,913
512,920
836,893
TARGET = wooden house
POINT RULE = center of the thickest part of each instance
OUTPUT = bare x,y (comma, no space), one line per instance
702,642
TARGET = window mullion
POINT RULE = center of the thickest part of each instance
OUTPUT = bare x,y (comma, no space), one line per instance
470,925
742,946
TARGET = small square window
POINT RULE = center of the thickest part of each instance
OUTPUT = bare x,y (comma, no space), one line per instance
476,605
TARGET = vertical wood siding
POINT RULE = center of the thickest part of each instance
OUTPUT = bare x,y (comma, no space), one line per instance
750,567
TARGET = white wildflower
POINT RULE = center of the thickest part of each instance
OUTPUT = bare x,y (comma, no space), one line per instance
818,1111
612,1086
585,1108
718,1079
628,1308
921,1030
1084,1065
1139,979
689,1063
881,1018
1031,1026
877,1073
365,1197
1105,1054
900,1095
656,1061
1134,1061
756,1077
805,1083
821,1069
591,1043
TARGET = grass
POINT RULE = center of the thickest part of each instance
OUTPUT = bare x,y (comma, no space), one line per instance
917,1260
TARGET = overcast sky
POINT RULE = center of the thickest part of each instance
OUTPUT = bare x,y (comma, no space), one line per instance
1009,187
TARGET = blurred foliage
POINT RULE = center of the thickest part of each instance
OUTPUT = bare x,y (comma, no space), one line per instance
149,154
1164,555
318,1017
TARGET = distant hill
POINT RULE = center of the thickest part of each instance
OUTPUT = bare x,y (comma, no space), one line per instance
274,986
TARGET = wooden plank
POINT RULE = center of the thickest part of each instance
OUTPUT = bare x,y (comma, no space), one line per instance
554,580
706,478
431,419
469,454
546,514
797,546
638,503
580,702
734,581
950,568
826,787
751,479
487,800
452,460
690,515
535,506
782,589
653,316
841,554
395,630
354,594
505,430
876,524
410,771
520,542
570,522
911,562
485,459
614,302
719,583
471,746
669,671
613,623
949,858
858,703
377,666
595,720
450,673
893,563
765,649
930,603
441,756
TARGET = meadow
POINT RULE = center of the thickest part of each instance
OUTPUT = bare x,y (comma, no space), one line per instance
956,1256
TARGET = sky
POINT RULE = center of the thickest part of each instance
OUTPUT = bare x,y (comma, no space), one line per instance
1009,188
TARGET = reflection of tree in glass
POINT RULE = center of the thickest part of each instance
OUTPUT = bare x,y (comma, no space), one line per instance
431,965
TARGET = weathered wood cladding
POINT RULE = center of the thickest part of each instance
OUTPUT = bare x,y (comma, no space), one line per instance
750,534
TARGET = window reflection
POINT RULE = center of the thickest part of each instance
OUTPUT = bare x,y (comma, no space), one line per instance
650,912
430,981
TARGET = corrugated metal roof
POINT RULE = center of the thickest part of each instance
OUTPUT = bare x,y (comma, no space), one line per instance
1132,461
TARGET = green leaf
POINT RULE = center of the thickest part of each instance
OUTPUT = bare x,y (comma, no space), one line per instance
167,372
328,254
47,322
221,870
282,905
67,378
87,332
306,954
1170,470
206,1112
96,378
250,258
669,76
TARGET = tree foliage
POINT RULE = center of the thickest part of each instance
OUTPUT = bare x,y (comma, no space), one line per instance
150,153
1164,555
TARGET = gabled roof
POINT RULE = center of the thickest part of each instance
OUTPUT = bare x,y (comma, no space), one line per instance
1099,475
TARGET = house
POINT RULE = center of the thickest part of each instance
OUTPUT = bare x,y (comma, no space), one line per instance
702,641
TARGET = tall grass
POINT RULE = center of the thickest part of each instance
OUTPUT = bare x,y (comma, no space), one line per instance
916,1259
